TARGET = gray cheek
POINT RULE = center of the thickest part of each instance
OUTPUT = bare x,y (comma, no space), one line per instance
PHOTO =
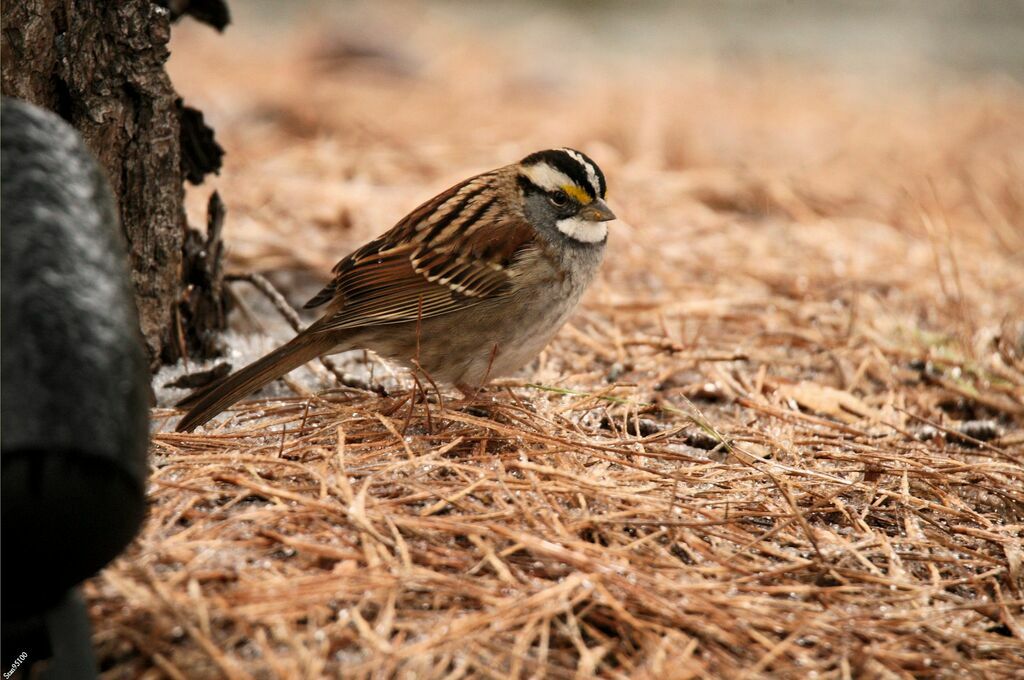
540,213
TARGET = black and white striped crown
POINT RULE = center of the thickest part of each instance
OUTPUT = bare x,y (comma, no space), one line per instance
554,168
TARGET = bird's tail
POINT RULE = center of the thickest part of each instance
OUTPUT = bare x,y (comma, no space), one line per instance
207,403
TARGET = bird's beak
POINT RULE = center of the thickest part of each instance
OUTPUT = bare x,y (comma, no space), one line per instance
596,211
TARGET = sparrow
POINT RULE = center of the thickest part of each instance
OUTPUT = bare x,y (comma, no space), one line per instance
469,286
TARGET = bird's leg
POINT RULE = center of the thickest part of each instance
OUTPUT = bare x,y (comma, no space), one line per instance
467,391
471,393
472,403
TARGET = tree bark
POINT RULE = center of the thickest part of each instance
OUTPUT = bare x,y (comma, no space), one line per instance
100,65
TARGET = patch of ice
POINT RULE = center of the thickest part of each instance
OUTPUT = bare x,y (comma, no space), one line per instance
244,348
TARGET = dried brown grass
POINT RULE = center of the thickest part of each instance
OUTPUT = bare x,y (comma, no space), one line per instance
745,457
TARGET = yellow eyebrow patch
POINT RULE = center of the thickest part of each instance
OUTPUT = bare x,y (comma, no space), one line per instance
579,194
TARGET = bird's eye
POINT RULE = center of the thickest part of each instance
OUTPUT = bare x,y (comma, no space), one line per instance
559,199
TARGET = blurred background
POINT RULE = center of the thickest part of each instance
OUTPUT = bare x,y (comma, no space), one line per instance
749,140
857,34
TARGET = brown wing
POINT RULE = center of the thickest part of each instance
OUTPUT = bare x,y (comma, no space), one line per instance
457,249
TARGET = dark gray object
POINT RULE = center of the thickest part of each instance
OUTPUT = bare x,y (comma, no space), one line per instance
74,388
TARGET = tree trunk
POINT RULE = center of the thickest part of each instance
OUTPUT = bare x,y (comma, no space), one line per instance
100,65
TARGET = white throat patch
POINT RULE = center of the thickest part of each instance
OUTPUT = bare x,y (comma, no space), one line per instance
583,230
